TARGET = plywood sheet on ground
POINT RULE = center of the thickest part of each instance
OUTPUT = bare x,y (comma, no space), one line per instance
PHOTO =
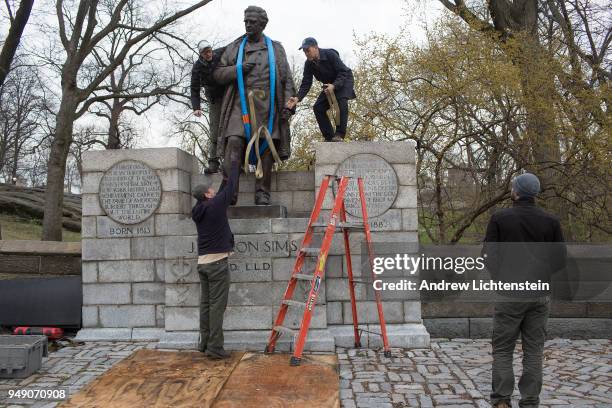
152,378
267,380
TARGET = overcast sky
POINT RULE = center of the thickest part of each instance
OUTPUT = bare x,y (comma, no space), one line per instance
332,22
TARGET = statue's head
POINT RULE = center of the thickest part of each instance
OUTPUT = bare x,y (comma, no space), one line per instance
255,21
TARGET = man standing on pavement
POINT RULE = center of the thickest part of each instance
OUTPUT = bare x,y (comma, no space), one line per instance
326,66
522,243
202,75
215,245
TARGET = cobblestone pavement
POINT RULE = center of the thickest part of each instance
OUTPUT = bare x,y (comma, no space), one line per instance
70,368
457,373
577,373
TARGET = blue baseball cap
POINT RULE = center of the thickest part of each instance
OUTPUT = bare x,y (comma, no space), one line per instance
308,42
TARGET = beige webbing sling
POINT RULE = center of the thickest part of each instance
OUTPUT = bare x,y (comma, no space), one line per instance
333,113
256,134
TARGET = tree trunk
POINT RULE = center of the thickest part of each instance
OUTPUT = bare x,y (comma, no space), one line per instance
56,168
438,195
114,141
14,36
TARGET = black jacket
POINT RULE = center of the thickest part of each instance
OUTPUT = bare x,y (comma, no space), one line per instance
524,243
210,217
202,75
329,69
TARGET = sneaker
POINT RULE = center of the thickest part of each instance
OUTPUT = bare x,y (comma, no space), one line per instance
218,354
213,167
337,138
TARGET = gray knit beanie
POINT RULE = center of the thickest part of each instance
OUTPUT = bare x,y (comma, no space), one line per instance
526,185
198,191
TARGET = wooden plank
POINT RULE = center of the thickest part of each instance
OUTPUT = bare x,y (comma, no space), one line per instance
267,380
160,379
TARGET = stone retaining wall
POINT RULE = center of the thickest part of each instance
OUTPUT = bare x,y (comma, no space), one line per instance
20,259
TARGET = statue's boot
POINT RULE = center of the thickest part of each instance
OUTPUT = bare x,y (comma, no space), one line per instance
262,198
263,185
213,166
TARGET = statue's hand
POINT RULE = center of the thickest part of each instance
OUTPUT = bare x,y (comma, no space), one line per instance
248,67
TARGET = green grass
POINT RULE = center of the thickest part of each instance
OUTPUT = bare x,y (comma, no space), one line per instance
18,228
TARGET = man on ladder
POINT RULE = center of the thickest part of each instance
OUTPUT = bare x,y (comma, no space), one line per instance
338,87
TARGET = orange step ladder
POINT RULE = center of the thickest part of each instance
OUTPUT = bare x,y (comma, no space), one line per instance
337,220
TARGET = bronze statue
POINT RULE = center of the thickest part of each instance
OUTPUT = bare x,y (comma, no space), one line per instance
248,112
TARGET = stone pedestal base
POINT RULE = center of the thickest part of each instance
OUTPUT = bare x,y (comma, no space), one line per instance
408,335
257,212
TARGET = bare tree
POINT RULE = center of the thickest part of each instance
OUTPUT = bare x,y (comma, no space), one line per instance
515,25
21,109
460,96
18,23
82,76
153,70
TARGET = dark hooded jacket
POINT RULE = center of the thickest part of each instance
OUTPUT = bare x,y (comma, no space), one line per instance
210,217
202,76
329,69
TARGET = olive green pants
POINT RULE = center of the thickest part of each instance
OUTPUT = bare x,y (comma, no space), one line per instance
214,284
511,319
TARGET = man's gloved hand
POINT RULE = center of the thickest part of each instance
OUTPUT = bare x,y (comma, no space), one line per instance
292,103
328,88
248,67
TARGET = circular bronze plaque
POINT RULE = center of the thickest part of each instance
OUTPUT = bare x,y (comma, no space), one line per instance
130,192
380,183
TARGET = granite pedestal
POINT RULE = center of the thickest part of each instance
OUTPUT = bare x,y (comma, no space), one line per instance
140,279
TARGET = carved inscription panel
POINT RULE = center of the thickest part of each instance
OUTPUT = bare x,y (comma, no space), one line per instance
130,192
380,184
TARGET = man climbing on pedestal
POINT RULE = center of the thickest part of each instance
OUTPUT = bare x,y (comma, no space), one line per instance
338,87
254,110
202,75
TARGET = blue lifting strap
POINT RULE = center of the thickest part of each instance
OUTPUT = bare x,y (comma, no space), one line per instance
243,103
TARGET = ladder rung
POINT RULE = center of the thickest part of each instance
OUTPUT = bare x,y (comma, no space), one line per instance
357,226
285,330
370,332
303,276
364,281
297,303
311,251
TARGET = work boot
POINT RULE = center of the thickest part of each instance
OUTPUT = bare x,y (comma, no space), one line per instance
502,404
262,198
213,167
218,354
338,138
